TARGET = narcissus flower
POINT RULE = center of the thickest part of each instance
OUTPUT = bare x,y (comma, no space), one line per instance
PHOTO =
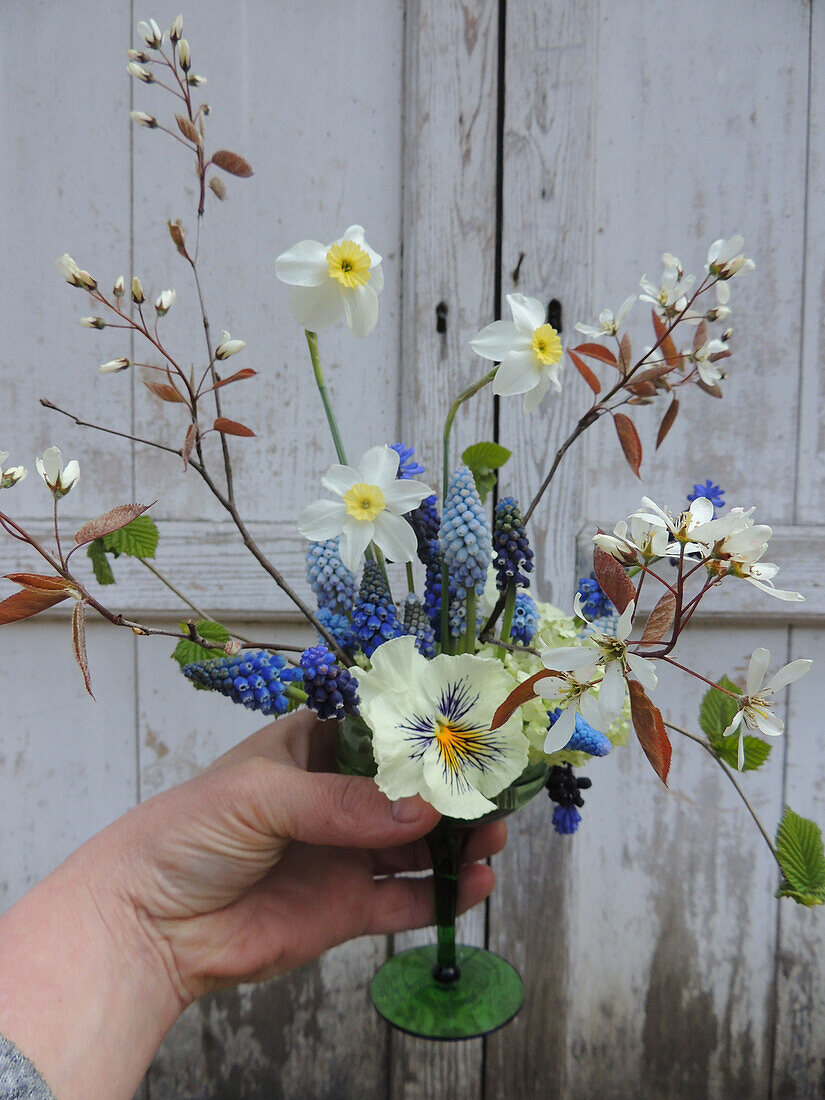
372,508
755,711
431,728
342,279
528,349
58,479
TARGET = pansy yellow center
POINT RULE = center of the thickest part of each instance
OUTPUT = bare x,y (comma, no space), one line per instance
364,501
546,345
349,264
458,744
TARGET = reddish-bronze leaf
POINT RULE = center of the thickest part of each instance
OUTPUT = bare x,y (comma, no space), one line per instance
108,522
238,376
233,163
22,605
711,388
660,619
189,443
596,351
667,422
79,642
663,338
642,388
586,373
613,579
36,582
626,353
652,374
165,391
629,439
231,427
700,335
650,729
188,129
520,695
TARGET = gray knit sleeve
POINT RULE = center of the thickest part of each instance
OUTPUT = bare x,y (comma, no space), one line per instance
19,1080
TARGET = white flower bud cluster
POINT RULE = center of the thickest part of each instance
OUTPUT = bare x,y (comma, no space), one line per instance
150,33
12,474
73,274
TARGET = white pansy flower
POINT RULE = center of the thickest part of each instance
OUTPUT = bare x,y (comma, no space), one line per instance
608,325
726,259
756,704
528,349
706,359
12,474
342,279
58,479
372,507
669,298
431,728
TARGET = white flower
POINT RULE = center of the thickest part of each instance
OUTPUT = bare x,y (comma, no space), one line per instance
119,287
150,33
184,56
50,468
737,553
114,365
342,279
573,691
640,538
705,358
138,71
12,475
608,324
372,508
195,80
431,728
143,119
176,30
138,296
165,301
93,322
755,705
528,349
669,298
73,274
228,346
725,259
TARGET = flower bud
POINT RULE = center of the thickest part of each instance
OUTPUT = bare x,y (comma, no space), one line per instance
165,302
195,81
58,479
177,234
719,313
727,334
139,72
137,55
232,647
150,33
143,119
184,57
137,291
11,476
218,187
93,322
176,30
228,346
114,365
67,268
118,288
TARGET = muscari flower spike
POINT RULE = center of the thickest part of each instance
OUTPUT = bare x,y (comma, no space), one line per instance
595,600
564,788
339,627
432,587
255,678
417,624
714,493
525,619
407,466
374,618
425,521
332,691
585,738
514,558
466,543
334,585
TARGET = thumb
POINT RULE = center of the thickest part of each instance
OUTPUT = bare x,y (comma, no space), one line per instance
324,808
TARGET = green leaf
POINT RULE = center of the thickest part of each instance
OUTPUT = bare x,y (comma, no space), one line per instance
482,459
186,652
801,857
100,563
717,711
757,751
138,539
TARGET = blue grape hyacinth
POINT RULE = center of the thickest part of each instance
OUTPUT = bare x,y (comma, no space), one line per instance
432,588
332,691
255,678
595,602
425,521
339,627
374,618
417,623
466,543
525,619
407,466
585,738
514,558
334,585
564,788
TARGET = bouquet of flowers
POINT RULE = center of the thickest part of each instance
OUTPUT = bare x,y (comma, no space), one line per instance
449,679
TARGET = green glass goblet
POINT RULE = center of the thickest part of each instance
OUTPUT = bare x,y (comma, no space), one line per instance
444,990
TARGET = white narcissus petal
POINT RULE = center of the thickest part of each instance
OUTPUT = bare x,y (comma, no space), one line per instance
316,308
323,519
518,373
376,276
757,667
561,731
569,658
356,535
360,309
789,674
379,466
532,399
354,233
611,693
395,537
643,670
338,479
303,265
405,494
528,313
497,340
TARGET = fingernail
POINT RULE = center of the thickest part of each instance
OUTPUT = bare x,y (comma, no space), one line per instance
407,810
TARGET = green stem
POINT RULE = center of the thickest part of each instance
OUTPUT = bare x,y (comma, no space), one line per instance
293,692
507,621
410,579
470,627
312,343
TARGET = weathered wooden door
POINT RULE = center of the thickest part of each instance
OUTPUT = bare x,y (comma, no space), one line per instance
555,149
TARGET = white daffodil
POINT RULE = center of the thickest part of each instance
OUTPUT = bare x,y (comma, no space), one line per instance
725,259
342,279
12,474
58,479
372,507
706,359
528,349
669,298
608,325
755,705
431,728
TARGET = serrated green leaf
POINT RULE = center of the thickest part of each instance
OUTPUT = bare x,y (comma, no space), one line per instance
138,539
757,751
490,455
802,859
717,710
186,652
100,563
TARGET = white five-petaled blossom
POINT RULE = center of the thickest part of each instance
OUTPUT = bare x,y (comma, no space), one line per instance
726,259
228,346
114,365
342,279
431,728
705,358
669,298
165,301
74,274
150,33
58,479
608,324
527,348
629,542
755,705
372,505
12,474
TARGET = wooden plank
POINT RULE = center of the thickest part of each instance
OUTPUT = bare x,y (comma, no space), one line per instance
449,253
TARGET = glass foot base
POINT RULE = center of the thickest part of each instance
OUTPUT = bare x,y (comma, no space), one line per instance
486,996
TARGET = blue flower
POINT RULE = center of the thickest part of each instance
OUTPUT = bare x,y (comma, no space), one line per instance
714,493
332,691
407,467
339,627
525,619
465,541
417,624
595,602
425,521
564,788
566,819
585,738
334,585
514,558
374,618
432,588
255,678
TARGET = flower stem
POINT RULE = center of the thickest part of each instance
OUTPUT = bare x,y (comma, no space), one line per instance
470,628
507,621
410,579
312,343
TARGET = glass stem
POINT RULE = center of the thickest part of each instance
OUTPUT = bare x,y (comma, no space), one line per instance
445,843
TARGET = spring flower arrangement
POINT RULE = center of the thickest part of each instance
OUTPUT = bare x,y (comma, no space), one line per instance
450,679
